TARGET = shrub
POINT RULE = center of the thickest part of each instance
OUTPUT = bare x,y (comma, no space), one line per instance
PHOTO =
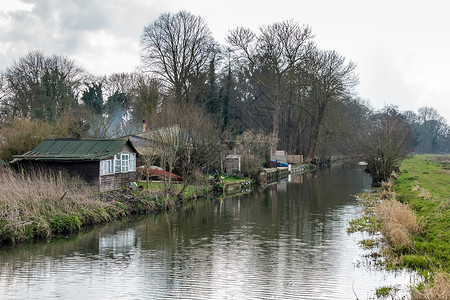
21,136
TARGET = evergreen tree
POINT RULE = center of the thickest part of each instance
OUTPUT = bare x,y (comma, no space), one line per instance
93,98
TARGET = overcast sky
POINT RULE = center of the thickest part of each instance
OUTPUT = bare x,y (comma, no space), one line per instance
401,47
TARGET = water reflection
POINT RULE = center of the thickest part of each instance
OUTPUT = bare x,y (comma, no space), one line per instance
287,241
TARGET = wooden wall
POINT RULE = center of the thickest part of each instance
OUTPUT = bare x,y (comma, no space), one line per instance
88,171
116,181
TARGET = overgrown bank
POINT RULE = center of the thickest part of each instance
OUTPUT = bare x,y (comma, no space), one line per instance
412,211
42,206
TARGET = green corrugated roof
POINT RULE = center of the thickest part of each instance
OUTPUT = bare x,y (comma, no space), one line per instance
75,149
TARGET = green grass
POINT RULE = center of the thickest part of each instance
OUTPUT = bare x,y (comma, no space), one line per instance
190,192
228,178
366,223
369,243
424,184
384,291
153,186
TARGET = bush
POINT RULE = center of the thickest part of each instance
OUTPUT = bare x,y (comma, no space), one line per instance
21,136
251,167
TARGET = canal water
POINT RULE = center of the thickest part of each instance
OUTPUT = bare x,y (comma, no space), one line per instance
288,241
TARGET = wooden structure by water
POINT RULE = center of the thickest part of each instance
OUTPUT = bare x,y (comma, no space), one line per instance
274,174
237,188
298,170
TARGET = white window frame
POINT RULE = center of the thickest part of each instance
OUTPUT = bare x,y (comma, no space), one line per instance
106,167
124,162
132,162
117,163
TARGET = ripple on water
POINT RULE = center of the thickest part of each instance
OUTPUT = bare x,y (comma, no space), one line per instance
286,244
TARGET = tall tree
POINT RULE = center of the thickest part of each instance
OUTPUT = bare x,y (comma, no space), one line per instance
42,87
270,58
146,96
209,99
329,78
93,98
22,135
225,95
178,47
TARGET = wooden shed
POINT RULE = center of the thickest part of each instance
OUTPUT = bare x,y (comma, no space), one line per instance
108,164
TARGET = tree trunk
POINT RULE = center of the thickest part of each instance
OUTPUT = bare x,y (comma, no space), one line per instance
276,125
314,136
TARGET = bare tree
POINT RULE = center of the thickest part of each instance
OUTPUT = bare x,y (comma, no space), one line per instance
384,142
178,47
41,87
186,140
330,78
254,148
270,58
146,96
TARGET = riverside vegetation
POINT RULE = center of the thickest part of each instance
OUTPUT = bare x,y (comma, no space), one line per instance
41,205
44,205
412,212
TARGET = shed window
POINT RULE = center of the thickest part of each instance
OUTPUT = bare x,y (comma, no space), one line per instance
125,162
106,167
133,162
117,163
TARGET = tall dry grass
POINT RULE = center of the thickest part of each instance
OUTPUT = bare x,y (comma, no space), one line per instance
398,222
35,204
440,290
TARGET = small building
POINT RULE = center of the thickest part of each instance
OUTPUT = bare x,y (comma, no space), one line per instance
232,164
109,164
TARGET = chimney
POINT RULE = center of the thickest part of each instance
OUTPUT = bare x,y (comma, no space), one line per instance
144,126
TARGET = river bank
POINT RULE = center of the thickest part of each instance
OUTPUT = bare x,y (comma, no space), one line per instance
44,206
412,211
287,241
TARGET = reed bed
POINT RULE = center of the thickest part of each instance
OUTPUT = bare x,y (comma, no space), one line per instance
41,204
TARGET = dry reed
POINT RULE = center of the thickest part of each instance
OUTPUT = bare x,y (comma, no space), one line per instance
398,221
423,193
30,203
440,290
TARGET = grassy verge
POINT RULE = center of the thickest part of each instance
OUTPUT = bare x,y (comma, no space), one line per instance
412,211
190,192
424,184
230,179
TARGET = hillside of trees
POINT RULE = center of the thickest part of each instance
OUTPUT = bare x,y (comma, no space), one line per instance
275,81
